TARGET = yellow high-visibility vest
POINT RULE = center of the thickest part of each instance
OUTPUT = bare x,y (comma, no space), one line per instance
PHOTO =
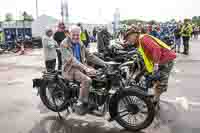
1,37
83,36
148,62
187,30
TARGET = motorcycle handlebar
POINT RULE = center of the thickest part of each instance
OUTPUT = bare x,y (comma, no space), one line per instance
133,52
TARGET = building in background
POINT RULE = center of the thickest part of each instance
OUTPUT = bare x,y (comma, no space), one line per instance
15,29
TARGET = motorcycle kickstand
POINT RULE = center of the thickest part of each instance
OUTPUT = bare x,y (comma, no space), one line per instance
59,115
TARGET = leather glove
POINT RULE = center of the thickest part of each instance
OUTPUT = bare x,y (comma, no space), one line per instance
90,72
137,78
156,76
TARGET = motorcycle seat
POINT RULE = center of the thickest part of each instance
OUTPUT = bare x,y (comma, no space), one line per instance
122,52
54,72
112,63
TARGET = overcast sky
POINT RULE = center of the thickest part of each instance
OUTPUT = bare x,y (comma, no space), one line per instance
91,9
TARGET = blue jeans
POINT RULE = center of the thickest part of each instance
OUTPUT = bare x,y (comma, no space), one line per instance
178,44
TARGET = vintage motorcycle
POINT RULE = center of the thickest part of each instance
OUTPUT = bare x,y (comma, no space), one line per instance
116,53
129,106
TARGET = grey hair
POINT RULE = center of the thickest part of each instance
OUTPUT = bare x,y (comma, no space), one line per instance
47,30
75,28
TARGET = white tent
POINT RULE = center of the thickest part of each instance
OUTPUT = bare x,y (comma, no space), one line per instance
41,23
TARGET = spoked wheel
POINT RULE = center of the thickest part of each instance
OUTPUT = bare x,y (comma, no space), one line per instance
134,111
54,97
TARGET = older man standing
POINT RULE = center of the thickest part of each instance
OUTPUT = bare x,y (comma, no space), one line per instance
75,58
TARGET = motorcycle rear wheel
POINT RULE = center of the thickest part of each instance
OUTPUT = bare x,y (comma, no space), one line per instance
57,94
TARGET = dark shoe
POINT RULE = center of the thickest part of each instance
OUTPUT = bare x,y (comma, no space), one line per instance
92,107
22,53
81,108
157,106
156,101
184,53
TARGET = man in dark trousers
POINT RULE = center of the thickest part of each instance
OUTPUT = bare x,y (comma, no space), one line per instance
87,38
103,40
100,41
186,34
59,36
94,32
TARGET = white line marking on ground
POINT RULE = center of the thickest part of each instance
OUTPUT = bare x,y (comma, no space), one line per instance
177,81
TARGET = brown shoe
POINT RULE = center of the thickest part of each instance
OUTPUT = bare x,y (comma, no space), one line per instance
81,108
22,53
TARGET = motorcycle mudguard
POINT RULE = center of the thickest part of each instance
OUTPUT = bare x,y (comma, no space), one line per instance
113,105
37,83
139,90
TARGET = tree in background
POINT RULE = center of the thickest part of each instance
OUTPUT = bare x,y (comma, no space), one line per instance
30,18
136,21
27,17
152,22
8,17
1,18
196,20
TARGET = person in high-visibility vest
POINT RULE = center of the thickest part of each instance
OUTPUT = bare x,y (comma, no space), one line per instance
83,36
186,33
158,57
1,36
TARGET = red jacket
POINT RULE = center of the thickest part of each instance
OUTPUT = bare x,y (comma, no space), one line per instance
155,52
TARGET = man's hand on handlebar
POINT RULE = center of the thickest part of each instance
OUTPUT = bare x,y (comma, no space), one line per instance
90,72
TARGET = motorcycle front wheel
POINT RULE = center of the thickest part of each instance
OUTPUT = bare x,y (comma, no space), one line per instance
134,111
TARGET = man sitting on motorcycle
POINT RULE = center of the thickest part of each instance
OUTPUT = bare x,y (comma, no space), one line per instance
158,57
75,58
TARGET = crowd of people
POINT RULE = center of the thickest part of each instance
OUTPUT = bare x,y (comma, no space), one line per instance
176,34
61,33
69,46
14,43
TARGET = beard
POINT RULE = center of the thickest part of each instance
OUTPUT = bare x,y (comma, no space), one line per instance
75,41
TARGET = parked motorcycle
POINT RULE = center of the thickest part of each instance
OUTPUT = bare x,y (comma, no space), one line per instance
129,106
130,57
169,40
116,53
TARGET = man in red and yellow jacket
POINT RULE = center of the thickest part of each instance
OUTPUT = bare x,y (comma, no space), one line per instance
157,56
